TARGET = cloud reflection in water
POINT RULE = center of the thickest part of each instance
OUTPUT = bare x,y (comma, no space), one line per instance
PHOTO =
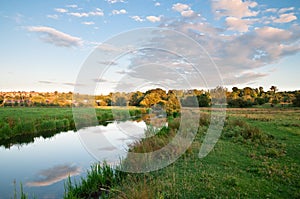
55,174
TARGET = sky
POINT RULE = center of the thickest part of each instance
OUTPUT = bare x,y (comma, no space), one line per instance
45,44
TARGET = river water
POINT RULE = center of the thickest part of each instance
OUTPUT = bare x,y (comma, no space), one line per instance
44,165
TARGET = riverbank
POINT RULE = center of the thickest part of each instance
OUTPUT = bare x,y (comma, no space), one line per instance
257,156
22,125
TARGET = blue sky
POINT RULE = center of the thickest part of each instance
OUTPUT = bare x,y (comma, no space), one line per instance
45,43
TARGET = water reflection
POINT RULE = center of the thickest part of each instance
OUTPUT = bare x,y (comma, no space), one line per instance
55,174
111,142
41,163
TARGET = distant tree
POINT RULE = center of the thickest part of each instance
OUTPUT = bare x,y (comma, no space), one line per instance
136,98
239,103
120,101
259,101
153,97
203,100
218,95
235,89
190,101
261,90
173,104
273,88
247,91
296,101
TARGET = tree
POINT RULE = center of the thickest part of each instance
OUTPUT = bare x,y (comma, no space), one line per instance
153,97
259,101
239,103
273,88
120,101
136,98
173,105
203,100
296,101
261,90
218,95
235,89
190,101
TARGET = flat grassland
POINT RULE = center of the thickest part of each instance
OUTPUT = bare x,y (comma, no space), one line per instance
257,156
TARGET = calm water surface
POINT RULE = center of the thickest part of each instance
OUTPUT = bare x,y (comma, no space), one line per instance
44,165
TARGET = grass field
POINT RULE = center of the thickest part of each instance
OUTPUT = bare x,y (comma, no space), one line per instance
257,156
21,125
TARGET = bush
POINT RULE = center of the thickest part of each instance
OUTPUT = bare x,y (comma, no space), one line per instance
98,182
24,128
203,100
239,103
259,101
60,125
296,101
242,131
48,125
5,131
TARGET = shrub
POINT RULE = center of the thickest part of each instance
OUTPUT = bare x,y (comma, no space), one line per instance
24,128
296,101
239,103
98,182
60,125
5,131
47,125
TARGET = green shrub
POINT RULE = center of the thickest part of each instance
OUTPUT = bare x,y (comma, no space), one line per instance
24,128
5,131
97,183
47,125
60,125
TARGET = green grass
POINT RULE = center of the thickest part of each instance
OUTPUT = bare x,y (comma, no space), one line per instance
21,125
257,156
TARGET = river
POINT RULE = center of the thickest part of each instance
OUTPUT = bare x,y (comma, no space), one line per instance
43,165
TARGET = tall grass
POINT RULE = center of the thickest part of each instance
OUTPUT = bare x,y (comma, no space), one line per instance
98,183
34,122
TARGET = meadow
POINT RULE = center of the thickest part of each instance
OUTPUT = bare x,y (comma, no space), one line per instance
21,125
257,156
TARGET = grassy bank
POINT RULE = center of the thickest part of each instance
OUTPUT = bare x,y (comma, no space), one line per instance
22,125
257,156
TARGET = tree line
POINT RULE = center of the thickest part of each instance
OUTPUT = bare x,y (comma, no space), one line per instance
170,100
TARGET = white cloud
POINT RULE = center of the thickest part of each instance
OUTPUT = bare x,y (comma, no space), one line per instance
179,7
273,34
157,4
153,19
72,6
237,24
88,23
271,10
61,10
234,8
55,37
184,9
98,12
285,18
283,10
52,16
187,13
118,12
115,1
238,53
137,18
79,14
